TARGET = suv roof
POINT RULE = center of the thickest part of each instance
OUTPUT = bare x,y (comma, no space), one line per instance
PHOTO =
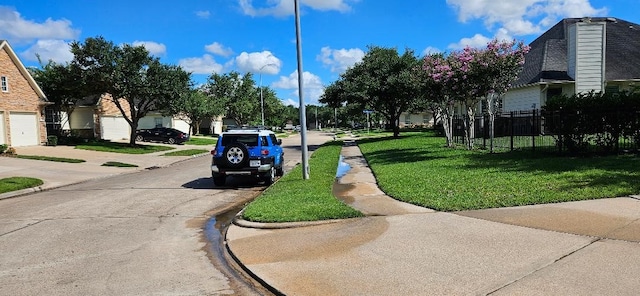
249,131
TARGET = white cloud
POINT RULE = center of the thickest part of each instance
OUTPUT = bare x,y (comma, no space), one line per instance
508,18
340,60
17,30
203,14
312,85
204,65
286,7
430,50
218,49
477,40
154,48
292,102
258,62
49,50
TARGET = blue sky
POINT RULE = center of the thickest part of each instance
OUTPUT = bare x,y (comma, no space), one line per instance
207,36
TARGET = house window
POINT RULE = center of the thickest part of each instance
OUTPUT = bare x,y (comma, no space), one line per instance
407,119
425,118
554,92
5,84
612,89
158,121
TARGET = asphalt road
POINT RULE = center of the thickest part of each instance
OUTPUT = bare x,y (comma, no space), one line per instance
131,234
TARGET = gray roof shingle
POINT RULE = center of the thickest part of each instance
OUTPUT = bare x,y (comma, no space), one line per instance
547,59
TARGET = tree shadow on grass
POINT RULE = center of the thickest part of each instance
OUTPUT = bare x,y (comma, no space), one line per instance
398,155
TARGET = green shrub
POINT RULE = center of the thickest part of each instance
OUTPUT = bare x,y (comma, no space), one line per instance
52,140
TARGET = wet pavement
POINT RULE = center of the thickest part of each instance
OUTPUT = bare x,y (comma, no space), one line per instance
576,248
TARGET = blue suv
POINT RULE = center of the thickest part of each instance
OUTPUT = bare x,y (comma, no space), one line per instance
247,153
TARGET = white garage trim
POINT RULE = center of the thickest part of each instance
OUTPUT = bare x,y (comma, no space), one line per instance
3,135
24,129
114,128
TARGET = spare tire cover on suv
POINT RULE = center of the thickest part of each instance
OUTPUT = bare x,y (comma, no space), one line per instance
236,155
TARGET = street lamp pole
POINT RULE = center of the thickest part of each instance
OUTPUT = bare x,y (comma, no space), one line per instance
261,98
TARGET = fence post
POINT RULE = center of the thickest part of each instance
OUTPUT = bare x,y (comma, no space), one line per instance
534,132
511,132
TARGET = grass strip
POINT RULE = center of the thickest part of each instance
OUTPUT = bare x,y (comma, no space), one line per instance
418,169
122,147
293,199
202,141
186,152
50,158
119,164
18,183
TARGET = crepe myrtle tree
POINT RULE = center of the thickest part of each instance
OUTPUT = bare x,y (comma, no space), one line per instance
438,91
469,76
501,62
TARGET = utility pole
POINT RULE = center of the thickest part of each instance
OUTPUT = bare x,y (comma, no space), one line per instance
303,116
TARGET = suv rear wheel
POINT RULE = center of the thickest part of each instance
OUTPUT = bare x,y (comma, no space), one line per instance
269,177
236,155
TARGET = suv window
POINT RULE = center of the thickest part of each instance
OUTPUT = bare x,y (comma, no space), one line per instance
249,140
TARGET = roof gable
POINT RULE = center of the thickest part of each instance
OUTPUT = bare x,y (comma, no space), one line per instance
547,60
4,45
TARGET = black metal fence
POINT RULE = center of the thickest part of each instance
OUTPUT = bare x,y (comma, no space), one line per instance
526,130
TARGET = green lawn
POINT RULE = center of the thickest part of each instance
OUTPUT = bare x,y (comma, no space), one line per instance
186,152
50,158
199,140
122,147
18,183
418,169
293,199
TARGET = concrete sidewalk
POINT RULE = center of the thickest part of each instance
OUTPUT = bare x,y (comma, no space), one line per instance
577,248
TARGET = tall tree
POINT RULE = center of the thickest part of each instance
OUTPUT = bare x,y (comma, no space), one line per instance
383,81
237,93
194,108
136,81
63,86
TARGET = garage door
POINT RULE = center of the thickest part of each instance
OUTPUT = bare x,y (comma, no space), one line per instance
3,136
114,128
24,129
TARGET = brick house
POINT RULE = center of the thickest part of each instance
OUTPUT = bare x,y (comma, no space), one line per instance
22,102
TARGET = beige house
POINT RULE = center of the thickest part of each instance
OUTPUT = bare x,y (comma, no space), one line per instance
411,120
98,117
578,55
21,103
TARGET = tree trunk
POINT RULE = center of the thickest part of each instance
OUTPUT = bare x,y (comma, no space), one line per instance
446,115
395,125
492,117
132,137
469,126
